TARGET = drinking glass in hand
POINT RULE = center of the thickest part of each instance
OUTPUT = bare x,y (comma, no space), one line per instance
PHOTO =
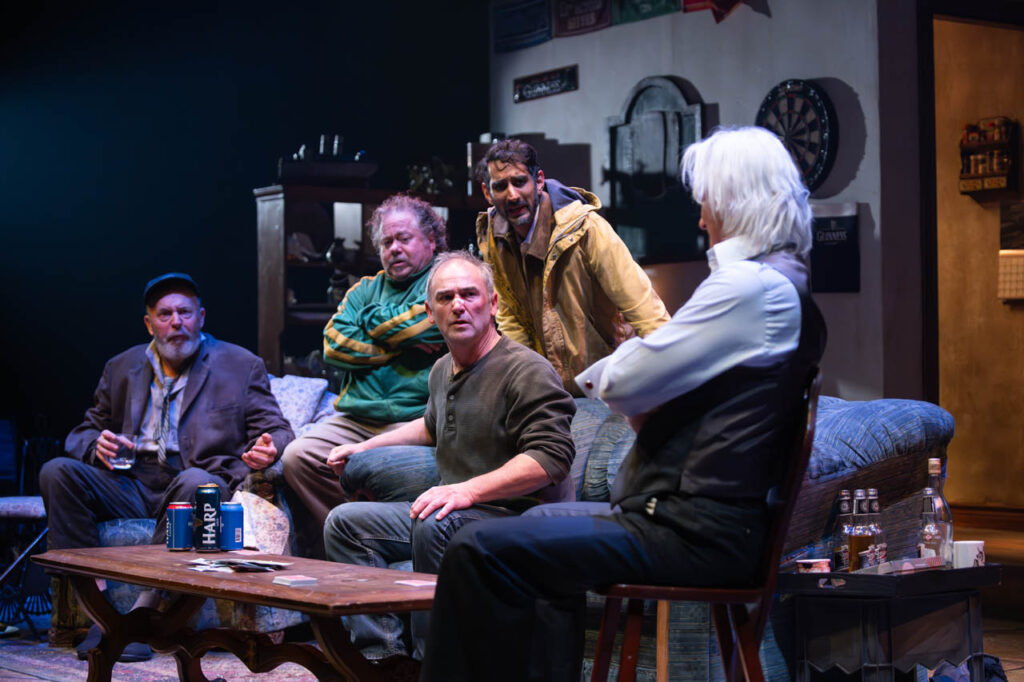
125,457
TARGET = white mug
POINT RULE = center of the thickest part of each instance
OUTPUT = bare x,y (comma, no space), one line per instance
814,565
968,553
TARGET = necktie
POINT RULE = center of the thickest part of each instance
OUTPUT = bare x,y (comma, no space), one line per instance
165,421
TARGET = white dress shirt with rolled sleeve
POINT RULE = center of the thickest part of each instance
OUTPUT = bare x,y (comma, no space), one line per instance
745,313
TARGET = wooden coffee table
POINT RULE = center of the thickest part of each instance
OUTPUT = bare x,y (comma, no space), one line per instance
342,589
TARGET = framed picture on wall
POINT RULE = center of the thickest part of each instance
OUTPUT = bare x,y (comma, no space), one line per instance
650,209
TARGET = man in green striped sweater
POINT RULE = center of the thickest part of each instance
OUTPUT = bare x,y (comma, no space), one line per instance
385,343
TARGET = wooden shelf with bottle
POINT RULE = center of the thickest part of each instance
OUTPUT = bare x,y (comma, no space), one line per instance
989,158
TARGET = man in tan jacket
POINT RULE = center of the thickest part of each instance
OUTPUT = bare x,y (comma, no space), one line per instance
567,286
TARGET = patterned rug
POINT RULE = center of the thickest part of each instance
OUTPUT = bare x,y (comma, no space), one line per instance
22,659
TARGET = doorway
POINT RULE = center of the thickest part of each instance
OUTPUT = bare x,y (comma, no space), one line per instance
978,69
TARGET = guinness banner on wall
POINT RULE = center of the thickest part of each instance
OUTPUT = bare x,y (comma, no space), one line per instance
575,17
835,256
524,23
625,11
521,24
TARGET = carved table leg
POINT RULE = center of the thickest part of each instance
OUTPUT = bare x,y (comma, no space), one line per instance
256,650
189,667
158,629
336,645
168,632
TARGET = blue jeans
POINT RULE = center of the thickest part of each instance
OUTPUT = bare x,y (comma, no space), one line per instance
380,534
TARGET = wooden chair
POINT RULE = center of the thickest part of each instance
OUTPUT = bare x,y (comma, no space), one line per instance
737,628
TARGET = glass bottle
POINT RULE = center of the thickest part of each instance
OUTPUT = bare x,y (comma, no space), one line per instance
860,535
936,478
879,545
929,541
839,531
934,538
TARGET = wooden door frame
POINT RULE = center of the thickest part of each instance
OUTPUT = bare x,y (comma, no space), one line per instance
996,12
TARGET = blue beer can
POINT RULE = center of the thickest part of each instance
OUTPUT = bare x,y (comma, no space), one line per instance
179,526
207,535
231,533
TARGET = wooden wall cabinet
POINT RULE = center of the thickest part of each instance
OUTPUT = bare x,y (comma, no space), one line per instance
293,304
990,159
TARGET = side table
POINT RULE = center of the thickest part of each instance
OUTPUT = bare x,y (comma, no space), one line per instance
879,625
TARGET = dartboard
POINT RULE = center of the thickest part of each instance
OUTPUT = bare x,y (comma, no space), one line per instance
801,114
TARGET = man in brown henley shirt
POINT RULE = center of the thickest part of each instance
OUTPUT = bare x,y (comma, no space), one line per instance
499,418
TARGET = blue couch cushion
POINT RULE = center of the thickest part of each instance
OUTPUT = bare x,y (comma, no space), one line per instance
298,397
612,443
855,434
602,441
590,415
125,532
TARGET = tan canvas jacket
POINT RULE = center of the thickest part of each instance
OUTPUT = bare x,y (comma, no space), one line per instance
592,287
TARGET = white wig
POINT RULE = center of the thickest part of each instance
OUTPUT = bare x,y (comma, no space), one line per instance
748,180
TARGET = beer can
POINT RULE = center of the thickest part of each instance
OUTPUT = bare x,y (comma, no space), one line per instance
231,533
207,537
179,526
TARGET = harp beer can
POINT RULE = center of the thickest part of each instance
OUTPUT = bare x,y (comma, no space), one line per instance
231,533
179,526
208,518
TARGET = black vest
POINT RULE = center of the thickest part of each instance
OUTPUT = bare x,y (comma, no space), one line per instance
729,437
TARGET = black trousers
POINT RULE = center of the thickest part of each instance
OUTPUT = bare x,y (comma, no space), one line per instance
78,496
511,592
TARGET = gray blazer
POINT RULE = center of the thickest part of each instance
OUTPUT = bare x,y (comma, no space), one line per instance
226,405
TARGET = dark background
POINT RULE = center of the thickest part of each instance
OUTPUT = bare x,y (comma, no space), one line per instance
131,139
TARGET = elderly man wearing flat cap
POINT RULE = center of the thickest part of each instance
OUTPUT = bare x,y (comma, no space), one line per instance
194,409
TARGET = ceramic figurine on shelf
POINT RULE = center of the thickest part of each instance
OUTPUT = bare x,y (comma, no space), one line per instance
299,247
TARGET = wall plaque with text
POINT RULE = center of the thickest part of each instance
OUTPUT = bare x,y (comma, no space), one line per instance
552,82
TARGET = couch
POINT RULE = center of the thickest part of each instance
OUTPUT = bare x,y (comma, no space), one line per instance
880,444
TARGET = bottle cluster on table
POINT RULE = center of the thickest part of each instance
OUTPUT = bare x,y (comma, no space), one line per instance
857,538
861,540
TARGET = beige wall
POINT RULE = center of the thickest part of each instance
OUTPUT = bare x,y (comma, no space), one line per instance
979,72
733,65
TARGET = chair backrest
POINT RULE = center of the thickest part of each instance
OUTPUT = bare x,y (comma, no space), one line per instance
34,454
789,487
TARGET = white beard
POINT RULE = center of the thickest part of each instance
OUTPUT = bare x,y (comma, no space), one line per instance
177,352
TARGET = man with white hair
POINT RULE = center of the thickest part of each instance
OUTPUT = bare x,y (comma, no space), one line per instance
714,395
